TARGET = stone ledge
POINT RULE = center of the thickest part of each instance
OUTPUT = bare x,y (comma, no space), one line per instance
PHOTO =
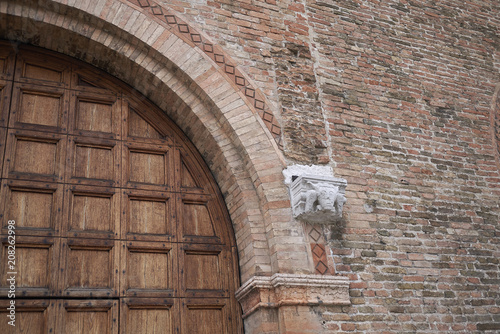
291,290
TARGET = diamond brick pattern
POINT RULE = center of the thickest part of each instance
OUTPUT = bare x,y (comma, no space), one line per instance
315,234
171,19
189,34
321,268
157,10
249,92
229,69
319,258
318,250
196,38
219,58
240,81
184,28
208,48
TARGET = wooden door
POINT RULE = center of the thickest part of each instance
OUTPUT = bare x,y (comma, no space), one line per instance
120,227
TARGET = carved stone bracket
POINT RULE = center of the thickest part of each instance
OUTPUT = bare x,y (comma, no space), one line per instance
291,290
317,199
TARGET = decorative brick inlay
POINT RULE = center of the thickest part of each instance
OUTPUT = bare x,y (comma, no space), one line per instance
318,249
193,37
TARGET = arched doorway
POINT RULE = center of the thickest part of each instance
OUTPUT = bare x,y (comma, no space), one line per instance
120,227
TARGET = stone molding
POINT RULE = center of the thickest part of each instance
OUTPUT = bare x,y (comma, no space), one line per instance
292,290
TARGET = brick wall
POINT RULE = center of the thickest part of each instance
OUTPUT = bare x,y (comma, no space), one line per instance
397,97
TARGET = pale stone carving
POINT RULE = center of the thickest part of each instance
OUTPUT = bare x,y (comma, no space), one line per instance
290,289
317,199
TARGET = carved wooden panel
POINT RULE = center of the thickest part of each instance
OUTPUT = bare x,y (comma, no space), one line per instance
191,177
88,317
149,269
148,316
35,316
40,70
139,127
34,156
35,265
147,215
7,58
93,161
3,141
198,218
204,273
206,316
39,108
35,206
147,166
95,115
91,212
5,93
89,268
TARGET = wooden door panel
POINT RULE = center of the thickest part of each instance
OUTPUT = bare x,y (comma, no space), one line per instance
149,316
147,167
198,217
91,212
89,268
7,59
204,273
206,316
35,206
138,127
87,317
5,97
191,178
35,265
35,316
35,156
118,222
39,108
148,269
144,122
93,161
187,179
3,141
41,70
147,216
95,115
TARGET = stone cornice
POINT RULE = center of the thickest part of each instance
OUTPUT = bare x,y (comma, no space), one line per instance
289,290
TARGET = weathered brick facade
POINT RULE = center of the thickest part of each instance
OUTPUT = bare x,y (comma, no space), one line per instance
400,98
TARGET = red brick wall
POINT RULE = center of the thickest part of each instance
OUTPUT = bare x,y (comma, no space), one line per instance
396,96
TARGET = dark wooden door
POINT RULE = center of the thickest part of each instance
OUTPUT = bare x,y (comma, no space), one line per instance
120,227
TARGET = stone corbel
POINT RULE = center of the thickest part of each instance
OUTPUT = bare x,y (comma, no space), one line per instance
317,199
292,290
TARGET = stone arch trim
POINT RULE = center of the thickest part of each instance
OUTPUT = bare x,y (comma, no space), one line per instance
195,92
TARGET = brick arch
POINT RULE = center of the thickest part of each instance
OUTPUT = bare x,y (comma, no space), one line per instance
196,92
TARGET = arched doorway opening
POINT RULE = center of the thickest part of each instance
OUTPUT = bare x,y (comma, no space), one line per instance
120,227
